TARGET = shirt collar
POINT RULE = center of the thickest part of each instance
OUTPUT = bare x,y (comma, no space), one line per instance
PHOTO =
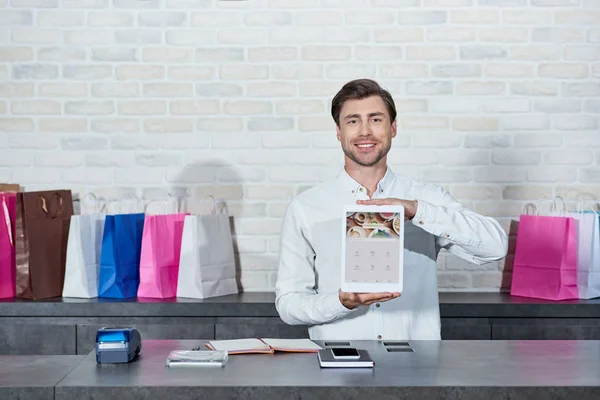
354,187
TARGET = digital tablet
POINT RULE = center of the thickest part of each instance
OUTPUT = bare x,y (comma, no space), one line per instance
372,249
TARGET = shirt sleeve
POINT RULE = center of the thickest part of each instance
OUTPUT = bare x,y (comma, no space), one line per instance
297,301
461,231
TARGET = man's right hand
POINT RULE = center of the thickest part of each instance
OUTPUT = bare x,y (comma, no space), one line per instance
353,300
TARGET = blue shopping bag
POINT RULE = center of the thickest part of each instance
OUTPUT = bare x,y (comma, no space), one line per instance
120,259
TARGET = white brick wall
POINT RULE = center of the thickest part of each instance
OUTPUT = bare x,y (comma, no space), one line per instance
498,100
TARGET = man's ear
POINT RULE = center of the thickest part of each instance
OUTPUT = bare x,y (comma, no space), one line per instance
337,132
394,126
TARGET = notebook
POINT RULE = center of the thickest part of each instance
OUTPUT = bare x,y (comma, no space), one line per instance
267,346
326,360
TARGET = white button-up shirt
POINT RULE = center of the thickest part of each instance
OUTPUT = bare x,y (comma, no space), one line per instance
309,274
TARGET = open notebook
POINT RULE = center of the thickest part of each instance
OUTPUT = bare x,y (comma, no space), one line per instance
268,346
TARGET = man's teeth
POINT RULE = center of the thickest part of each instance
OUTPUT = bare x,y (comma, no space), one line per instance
365,145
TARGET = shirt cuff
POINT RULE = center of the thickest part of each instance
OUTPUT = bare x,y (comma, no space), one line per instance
426,213
335,306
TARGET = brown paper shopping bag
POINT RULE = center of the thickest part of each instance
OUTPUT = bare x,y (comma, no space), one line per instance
41,242
9,187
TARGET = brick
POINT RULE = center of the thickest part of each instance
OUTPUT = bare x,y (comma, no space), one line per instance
162,18
310,71
448,3
514,34
555,3
186,141
189,4
346,35
251,245
139,175
450,34
319,88
571,157
90,37
438,175
532,122
475,16
476,192
16,125
593,35
372,18
158,160
407,106
398,35
538,140
430,53
293,35
247,107
61,54
191,73
87,72
387,53
496,174
81,143
278,210
218,90
274,245
87,107
170,89
480,88
580,89
464,158
399,70
28,175
317,157
556,35
62,18
219,55
480,52
315,123
268,18
190,37
581,53
142,107
15,159
114,54
529,17
74,89
534,88
168,125
232,72
553,106
421,17
16,18
110,18
17,53
527,192
435,140
578,192
140,72
84,4
506,105
326,53
431,88
509,70
475,124
62,125
136,4
395,3
115,125
243,174
36,36
87,176
275,89
551,174
270,124
516,157
228,124
453,280
194,107
115,90
575,122
577,17
134,142
589,175
235,141
456,70
537,52
139,37
286,107
58,159
294,174
318,18
35,107
503,3
592,106
266,54
285,141
458,106
241,36
424,123
9,89
499,209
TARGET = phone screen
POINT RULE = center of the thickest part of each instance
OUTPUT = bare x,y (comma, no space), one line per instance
345,352
373,247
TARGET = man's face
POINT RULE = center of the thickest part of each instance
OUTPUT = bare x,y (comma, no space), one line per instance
365,130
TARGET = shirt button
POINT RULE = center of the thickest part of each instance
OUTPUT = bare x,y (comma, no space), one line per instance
421,222
378,336
361,189
377,305
447,235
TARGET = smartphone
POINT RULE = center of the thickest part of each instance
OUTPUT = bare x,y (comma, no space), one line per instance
345,353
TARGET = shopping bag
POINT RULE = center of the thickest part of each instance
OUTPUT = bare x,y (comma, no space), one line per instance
9,187
42,231
119,275
588,266
161,245
83,251
207,263
545,264
8,209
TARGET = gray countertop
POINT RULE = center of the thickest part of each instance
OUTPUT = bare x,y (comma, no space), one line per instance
435,369
261,304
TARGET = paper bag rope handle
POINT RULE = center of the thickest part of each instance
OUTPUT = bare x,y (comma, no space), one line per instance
59,210
7,221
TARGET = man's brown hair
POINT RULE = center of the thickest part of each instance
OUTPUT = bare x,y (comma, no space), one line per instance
359,89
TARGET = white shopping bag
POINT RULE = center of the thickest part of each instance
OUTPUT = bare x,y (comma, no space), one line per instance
83,252
206,262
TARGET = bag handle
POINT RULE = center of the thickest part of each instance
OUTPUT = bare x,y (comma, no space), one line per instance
44,205
163,202
554,205
7,221
529,206
97,209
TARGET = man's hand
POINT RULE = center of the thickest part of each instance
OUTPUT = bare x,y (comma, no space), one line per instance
410,206
353,300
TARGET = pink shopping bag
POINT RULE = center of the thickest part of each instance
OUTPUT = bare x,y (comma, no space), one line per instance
545,265
8,211
159,260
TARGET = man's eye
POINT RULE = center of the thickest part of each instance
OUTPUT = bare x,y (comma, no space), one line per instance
377,119
352,121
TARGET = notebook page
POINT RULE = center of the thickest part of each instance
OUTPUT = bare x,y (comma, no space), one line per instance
292,344
235,345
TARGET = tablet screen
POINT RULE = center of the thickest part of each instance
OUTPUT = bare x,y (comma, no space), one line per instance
372,247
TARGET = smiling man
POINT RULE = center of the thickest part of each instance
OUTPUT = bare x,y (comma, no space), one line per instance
308,282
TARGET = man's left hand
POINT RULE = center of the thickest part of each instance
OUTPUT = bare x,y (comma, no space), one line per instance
410,206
